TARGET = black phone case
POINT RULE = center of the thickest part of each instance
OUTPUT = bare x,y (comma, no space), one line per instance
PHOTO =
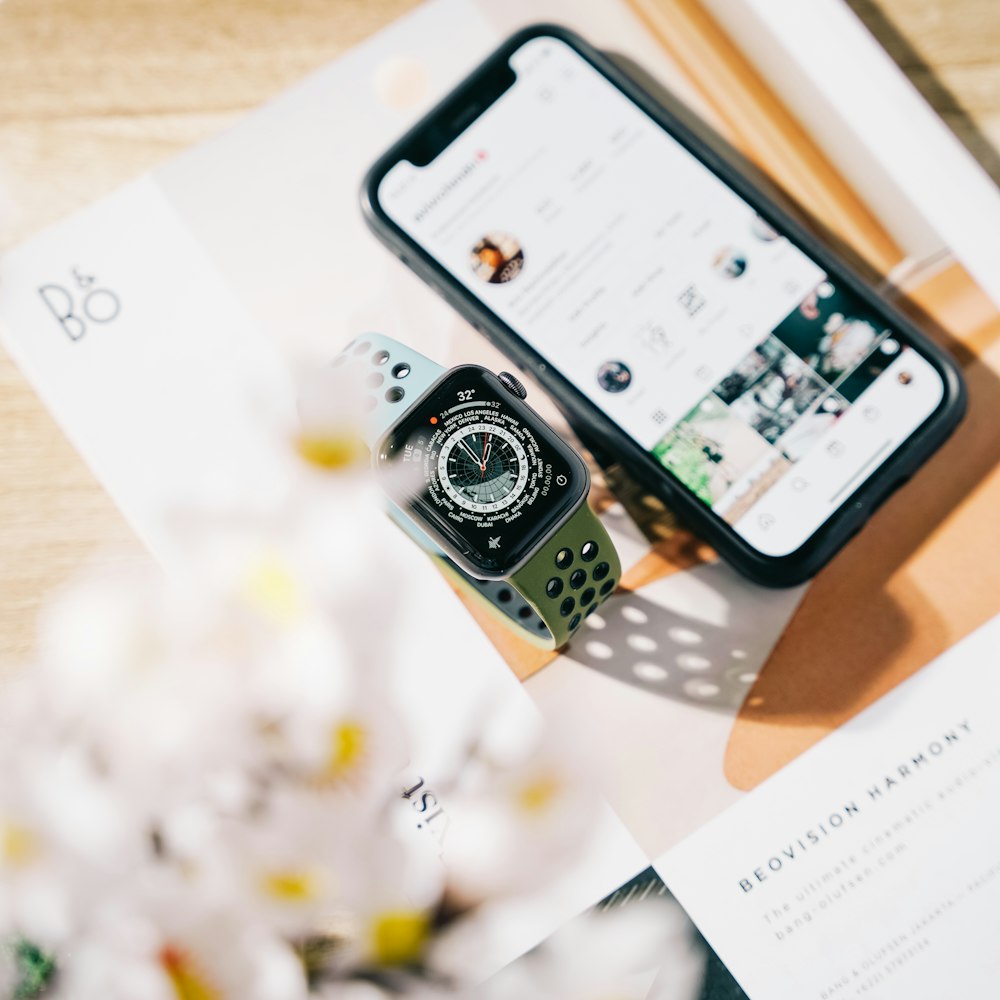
596,430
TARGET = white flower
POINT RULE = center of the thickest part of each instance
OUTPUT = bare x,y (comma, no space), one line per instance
519,818
155,945
202,776
388,922
61,829
141,695
352,755
353,991
414,990
292,864
643,951
9,977
328,552
95,634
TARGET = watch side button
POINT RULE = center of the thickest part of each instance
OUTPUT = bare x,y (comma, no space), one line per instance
513,385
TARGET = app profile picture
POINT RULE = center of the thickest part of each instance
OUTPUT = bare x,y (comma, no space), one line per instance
497,258
729,262
614,376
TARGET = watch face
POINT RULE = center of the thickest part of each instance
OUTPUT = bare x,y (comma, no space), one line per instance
481,472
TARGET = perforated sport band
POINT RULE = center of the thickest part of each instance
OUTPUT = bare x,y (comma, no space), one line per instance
569,578
566,580
571,575
394,377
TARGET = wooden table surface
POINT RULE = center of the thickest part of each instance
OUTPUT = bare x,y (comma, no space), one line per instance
93,92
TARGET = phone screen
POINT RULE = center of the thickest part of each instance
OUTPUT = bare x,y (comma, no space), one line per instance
722,349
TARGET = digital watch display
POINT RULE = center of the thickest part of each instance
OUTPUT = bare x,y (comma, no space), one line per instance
478,466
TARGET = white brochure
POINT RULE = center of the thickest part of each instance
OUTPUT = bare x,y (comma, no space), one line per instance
870,866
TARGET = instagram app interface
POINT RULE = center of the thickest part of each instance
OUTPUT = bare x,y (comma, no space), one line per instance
767,390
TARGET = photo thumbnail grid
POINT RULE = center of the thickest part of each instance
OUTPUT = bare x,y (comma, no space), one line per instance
777,403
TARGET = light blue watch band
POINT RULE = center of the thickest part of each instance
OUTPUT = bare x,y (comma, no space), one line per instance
394,377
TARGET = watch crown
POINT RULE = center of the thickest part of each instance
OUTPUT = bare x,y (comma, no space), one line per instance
512,385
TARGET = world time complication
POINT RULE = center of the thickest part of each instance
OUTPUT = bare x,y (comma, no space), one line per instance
483,467
480,464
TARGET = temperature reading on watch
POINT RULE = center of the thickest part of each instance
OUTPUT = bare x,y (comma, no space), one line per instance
481,470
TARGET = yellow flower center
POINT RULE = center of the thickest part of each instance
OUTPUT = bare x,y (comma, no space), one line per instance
332,451
291,886
187,979
538,795
273,590
399,937
348,745
18,845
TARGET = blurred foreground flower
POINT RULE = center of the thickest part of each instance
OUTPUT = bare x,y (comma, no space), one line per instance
202,776
642,952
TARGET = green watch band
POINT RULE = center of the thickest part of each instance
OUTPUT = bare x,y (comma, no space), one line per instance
571,575
566,579
548,598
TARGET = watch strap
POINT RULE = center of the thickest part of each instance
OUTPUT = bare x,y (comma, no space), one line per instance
566,580
394,377
572,574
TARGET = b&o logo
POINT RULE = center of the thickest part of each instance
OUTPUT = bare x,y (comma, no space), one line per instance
78,307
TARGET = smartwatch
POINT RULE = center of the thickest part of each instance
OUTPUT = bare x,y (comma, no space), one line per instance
486,487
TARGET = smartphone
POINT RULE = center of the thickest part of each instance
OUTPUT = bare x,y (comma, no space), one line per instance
684,323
